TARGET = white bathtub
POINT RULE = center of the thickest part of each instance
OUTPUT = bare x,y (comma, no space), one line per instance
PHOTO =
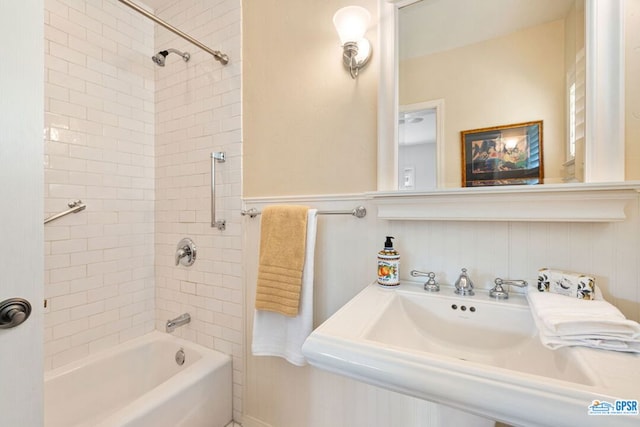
139,384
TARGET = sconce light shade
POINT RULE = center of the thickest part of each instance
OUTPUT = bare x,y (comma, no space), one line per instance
351,23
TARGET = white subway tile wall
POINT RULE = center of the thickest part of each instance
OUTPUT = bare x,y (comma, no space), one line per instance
198,112
133,141
99,147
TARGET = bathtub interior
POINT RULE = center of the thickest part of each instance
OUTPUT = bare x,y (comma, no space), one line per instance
99,387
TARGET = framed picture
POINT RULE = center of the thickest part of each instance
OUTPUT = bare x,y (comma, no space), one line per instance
502,155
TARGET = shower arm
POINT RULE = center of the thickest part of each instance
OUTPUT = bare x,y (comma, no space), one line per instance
184,55
221,57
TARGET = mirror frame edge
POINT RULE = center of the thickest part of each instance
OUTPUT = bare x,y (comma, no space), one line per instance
605,80
387,177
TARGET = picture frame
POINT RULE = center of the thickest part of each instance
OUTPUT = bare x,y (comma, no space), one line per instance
503,155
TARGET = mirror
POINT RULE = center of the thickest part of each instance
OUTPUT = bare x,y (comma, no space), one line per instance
446,53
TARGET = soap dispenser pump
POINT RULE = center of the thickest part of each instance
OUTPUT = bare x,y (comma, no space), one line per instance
388,264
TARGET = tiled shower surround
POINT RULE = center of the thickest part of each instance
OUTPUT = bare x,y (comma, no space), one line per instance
197,113
133,141
99,147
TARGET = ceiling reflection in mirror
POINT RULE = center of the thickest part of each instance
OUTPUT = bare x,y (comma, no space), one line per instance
493,63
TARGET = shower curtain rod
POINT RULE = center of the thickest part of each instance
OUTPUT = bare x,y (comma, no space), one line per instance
223,58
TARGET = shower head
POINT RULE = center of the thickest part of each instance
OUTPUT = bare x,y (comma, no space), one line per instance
160,57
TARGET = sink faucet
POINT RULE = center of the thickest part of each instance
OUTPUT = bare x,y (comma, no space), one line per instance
183,319
464,285
430,285
499,292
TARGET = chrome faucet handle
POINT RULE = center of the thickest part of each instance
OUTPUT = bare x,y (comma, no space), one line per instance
430,285
464,285
185,252
499,292
181,253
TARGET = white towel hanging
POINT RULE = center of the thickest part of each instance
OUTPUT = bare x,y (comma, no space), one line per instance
277,335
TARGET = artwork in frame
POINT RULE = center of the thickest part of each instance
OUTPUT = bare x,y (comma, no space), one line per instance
502,155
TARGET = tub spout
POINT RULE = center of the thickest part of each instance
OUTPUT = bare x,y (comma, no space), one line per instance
183,319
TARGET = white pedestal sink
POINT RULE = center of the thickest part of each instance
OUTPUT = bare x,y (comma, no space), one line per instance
473,353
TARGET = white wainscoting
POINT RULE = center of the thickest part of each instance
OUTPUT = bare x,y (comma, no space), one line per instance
281,395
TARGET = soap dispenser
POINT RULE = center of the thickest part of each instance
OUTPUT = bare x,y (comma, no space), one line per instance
388,264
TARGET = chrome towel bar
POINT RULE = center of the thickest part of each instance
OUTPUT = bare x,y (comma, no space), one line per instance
75,206
358,212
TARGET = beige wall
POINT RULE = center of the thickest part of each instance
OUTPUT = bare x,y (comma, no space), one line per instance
511,79
308,128
277,94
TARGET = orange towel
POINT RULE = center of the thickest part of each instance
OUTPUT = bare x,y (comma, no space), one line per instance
283,238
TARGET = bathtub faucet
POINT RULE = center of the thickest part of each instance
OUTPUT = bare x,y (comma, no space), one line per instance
183,319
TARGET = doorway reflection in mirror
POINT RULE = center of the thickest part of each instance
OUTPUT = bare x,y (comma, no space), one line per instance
420,145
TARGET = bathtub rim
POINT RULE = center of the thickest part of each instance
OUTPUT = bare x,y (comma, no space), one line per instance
216,356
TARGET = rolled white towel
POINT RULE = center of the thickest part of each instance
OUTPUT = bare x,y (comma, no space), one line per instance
564,321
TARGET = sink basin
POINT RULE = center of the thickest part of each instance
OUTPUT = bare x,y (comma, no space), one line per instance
472,353
482,331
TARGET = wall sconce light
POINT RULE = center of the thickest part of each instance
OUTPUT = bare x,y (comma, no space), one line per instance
351,23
